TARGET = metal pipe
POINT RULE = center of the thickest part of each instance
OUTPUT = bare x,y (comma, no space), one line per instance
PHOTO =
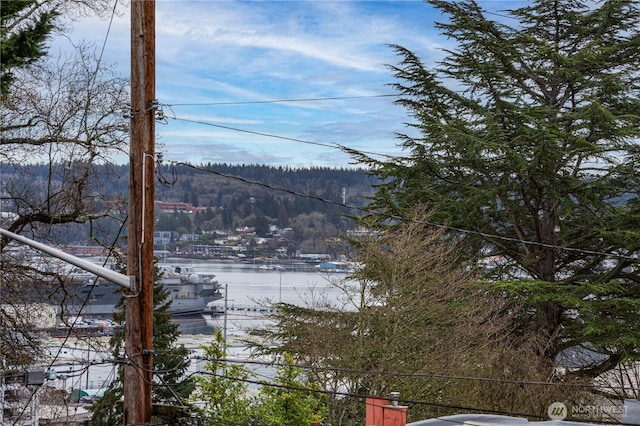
109,275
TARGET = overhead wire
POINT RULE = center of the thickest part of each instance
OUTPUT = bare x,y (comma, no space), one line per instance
69,333
351,394
406,219
332,145
367,210
111,375
220,126
104,43
276,101
307,367
355,395
363,397
417,375
88,296
583,251
395,217
332,202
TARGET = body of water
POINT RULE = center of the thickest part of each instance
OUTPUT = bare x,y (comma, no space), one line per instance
249,291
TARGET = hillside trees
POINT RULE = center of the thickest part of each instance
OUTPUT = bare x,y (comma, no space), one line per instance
525,142
63,113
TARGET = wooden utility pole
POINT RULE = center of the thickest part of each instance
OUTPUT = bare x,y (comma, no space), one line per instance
139,307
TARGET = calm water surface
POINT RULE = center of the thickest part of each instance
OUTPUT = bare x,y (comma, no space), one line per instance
254,289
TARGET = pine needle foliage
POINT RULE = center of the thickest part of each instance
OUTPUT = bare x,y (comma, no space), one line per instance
22,36
170,362
292,401
224,391
526,137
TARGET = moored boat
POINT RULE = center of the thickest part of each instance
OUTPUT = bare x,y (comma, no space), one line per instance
188,292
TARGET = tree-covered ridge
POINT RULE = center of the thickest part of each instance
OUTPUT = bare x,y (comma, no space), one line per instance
232,196
212,189
308,181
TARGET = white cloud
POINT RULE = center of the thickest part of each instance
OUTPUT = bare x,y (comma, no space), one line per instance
240,51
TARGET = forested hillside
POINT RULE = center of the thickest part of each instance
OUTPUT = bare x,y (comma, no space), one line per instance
313,201
215,185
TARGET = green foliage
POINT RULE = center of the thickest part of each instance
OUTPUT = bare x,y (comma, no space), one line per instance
23,32
224,390
170,361
413,321
527,138
288,402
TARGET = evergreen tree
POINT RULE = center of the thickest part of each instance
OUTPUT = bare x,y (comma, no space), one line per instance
528,145
283,215
287,402
261,224
224,389
25,28
169,360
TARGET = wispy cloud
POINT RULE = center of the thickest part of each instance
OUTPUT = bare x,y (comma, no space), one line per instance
226,51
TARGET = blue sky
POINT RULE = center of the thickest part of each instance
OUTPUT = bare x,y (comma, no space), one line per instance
233,52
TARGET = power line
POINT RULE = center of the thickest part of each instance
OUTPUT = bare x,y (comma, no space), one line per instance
355,395
406,219
519,383
332,145
71,328
205,123
417,375
105,386
389,216
104,43
363,397
276,101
